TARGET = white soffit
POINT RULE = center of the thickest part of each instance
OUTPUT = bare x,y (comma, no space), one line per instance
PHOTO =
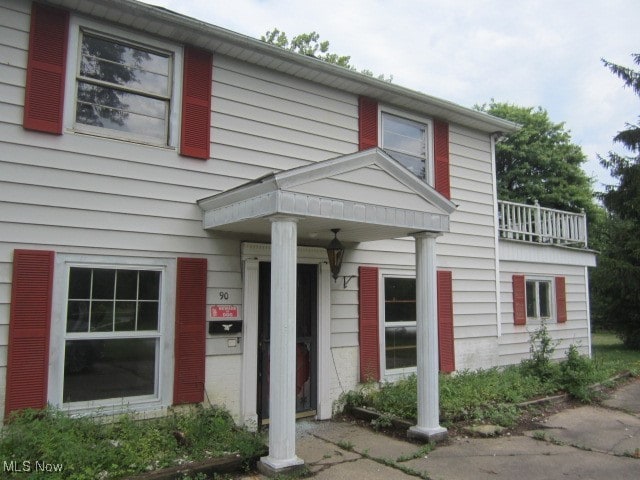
247,208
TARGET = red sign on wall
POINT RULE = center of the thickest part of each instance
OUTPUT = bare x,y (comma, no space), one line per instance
230,312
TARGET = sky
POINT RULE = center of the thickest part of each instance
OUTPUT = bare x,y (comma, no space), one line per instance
531,53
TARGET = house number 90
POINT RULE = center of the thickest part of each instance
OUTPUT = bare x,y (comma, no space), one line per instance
224,295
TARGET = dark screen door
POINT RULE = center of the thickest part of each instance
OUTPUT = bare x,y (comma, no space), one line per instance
306,338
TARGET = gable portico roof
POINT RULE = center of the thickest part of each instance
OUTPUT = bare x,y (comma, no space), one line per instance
161,22
367,194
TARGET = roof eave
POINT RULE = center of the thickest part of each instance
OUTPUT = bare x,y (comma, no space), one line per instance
160,21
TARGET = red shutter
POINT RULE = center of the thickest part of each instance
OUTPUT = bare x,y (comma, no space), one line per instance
46,65
367,123
561,300
196,104
445,322
519,300
369,324
191,295
29,326
441,161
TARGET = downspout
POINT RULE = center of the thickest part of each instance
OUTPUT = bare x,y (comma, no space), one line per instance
495,137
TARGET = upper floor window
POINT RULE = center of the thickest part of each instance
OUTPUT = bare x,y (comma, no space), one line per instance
123,88
406,141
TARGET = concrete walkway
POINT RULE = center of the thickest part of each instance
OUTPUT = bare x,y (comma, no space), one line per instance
588,442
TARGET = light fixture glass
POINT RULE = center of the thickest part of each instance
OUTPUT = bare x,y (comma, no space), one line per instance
335,253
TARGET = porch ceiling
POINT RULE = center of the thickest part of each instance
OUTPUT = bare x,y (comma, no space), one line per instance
367,195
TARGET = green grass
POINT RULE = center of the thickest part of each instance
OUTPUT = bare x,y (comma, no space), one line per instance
491,395
611,357
88,448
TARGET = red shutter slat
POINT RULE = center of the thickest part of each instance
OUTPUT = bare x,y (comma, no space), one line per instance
561,300
29,326
445,322
441,160
369,324
46,66
519,300
196,104
191,286
367,123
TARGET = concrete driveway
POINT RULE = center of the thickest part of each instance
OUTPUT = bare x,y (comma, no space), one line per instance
587,442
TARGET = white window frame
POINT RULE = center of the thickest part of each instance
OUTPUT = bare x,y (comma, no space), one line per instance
78,25
163,391
552,299
394,373
428,124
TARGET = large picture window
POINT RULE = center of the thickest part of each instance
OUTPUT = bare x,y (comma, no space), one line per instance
123,88
400,323
112,334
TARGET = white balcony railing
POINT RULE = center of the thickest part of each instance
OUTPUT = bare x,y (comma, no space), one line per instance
533,223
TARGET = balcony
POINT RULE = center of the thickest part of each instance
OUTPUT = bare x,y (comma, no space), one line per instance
546,226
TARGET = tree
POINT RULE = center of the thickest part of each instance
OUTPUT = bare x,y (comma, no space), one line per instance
539,161
616,281
309,44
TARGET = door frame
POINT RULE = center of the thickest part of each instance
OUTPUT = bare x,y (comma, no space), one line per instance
251,255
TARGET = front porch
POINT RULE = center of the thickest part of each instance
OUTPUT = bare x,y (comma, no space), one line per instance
368,196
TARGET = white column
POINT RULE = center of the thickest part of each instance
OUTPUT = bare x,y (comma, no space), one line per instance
250,346
428,426
282,372
324,406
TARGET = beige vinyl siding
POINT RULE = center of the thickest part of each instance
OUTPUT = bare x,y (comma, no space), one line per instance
468,251
273,115
83,194
515,340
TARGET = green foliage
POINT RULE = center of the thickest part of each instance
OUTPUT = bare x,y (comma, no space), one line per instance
539,161
540,365
309,44
88,448
577,374
616,280
492,395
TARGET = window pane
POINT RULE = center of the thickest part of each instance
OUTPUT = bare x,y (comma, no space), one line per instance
78,316
148,316
545,299
127,285
125,319
79,283
101,316
531,299
404,136
123,65
400,299
400,347
103,283
399,289
415,165
101,369
127,112
149,285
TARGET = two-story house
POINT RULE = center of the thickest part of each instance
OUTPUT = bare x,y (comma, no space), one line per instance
188,214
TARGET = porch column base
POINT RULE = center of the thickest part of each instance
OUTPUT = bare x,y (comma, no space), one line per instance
272,467
437,434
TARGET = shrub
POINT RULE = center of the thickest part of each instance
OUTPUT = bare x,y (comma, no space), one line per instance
577,374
